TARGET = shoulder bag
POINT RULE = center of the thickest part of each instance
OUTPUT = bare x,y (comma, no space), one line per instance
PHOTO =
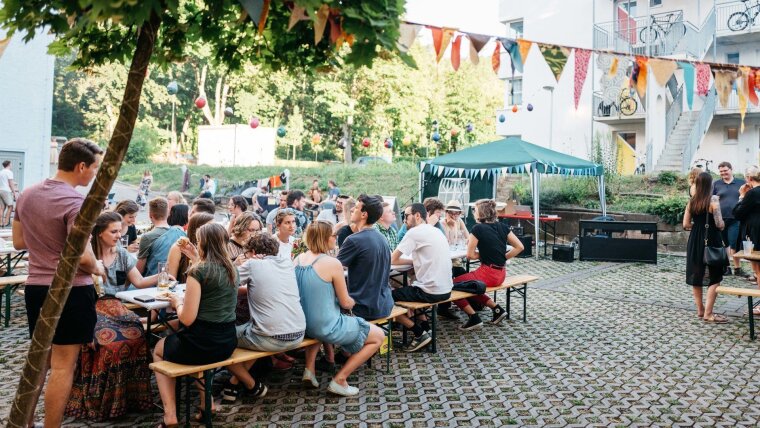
714,256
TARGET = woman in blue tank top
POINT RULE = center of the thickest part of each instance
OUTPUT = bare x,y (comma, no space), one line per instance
323,291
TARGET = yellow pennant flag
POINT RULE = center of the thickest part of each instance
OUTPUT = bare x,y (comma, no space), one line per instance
4,44
524,47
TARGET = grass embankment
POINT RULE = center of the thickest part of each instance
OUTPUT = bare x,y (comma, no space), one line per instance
398,179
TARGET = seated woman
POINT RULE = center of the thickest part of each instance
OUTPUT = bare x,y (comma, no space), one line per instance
128,210
240,233
277,322
488,242
178,216
178,263
207,313
236,206
286,228
113,378
174,197
322,287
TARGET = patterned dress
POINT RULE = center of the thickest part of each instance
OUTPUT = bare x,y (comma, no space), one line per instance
112,378
142,193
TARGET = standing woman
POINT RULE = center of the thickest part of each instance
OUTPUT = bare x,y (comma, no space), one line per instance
323,292
207,314
113,378
691,180
748,212
142,193
128,211
488,242
702,216
178,263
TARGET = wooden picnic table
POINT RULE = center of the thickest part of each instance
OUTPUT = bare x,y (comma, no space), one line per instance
753,256
9,258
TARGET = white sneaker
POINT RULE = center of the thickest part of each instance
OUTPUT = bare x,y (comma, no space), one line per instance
348,391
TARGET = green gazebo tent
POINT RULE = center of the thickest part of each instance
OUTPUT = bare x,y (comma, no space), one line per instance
484,163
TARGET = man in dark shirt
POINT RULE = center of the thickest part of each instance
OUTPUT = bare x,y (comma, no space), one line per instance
368,258
727,189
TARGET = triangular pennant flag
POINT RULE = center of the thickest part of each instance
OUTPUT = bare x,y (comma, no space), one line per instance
742,90
582,57
496,58
639,76
524,47
4,44
482,171
455,54
477,42
257,10
474,58
335,28
514,54
407,36
688,81
703,78
724,81
662,69
320,22
752,86
555,57
440,171
460,171
442,42
298,14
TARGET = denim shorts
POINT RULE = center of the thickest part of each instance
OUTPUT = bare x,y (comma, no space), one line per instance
249,340
730,233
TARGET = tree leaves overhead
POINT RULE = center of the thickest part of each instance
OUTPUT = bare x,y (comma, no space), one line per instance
105,31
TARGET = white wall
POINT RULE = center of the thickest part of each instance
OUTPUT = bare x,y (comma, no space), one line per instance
26,92
741,153
235,145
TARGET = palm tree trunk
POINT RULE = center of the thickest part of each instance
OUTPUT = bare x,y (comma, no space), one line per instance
32,377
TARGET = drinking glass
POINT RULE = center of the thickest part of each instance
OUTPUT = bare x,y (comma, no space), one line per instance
163,281
125,241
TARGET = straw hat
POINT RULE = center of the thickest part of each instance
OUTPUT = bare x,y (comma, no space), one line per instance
454,205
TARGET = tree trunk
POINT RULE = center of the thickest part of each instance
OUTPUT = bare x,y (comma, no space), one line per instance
32,377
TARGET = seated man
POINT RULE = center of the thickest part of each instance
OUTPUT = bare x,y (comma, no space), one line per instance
155,245
434,208
429,253
366,255
203,205
272,214
385,225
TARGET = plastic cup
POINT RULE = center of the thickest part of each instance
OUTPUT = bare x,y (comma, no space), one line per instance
748,247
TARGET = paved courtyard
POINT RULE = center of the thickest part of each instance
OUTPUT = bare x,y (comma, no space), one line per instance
605,345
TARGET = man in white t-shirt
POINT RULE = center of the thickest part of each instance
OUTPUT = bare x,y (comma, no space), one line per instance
8,193
429,252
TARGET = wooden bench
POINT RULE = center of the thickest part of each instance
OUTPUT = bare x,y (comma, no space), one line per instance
7,285
204,374
516,283
749,293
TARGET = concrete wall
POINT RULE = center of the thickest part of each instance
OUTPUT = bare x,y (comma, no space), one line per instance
741,153
235,145
26,91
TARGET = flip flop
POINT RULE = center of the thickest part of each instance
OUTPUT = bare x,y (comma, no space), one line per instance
717,319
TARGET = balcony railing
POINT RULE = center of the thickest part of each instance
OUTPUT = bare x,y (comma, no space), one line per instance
699,129
745,17
674,112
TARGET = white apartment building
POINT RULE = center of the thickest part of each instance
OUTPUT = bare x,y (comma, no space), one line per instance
660,132
26,91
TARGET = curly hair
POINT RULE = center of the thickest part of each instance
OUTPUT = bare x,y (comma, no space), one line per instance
264,244
486,209
241,224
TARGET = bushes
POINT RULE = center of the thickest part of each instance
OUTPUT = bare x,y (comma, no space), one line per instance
144,144
670,209
668,178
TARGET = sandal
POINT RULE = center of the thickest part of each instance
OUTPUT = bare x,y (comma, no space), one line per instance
717,319
201,415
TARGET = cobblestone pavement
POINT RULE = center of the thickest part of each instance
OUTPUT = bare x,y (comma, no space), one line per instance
604,345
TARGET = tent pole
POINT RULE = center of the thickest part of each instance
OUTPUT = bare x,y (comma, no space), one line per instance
536,199
602,195
422,180
495,184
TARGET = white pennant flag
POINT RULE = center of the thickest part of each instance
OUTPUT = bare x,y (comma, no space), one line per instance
460,170
482,172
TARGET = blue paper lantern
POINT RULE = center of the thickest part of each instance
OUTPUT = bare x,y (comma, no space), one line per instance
530,107
436,137
172,88
388,143
281,131
470,127
502,118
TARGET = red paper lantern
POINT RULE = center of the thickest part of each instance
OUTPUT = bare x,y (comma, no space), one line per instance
200,102
514,108
366,141
454,132
255,122
316,139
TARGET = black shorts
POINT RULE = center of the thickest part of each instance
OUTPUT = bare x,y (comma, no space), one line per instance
416,294
203,342
77,323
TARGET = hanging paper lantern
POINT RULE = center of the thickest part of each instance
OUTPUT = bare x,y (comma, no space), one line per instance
454,132
514,108
172,88
530,107
255,122
200,102
388,143
228,112
435,122
366,142
502,118
489,121
316,139
436,137
407,140
342,143
281,131
470,127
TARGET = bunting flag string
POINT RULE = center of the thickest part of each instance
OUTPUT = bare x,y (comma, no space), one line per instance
496,58
455,54
662,70
688,81
256,9
441,39
514,55
555,57
582,57
703,78
724,81
408,33
320,22
297,14
477,43
524,47
752,86
639,76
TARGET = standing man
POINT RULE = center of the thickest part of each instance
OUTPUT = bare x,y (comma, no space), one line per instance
366,255
727,189
8,194
43,232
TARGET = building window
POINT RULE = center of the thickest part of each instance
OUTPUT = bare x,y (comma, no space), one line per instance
732,135
515,91
655,3
732,58
516,29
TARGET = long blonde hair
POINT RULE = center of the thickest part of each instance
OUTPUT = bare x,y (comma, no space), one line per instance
212,249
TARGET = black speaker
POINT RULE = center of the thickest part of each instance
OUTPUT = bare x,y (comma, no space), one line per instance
563,253
527,241
517,230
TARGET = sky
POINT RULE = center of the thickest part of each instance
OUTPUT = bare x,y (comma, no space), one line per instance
477,16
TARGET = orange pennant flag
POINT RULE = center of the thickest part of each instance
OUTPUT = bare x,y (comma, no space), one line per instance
264,14
455,55
335,28
320,23
496,58
298,14
524,47
441,39
751,87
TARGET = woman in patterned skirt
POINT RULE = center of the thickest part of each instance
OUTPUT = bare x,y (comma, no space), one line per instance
112,375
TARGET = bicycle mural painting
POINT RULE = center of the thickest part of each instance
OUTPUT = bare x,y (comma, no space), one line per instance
625,105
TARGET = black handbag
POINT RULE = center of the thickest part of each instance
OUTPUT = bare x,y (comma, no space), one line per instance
471,286
714,256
